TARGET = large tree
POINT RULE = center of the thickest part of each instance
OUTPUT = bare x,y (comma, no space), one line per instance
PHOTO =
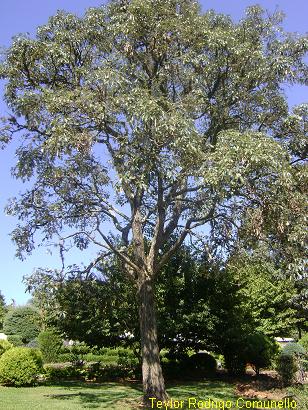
144,120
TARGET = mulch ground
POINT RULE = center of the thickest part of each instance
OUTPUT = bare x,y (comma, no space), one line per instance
266,386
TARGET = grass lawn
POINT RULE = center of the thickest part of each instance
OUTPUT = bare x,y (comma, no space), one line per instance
78,395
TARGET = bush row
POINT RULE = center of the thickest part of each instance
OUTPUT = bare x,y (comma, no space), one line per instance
90,371
20,365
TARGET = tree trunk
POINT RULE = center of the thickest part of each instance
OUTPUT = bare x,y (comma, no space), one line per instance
152,376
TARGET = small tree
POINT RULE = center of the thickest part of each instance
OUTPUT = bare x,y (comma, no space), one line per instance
260,351
50,343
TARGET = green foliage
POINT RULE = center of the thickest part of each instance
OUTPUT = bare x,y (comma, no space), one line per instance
22,321
16,340
20,366
304,342
90,309
126,359
260,351
304,364
50,343
91,371
293,349
61,372
78,351
4,346
265,294
107,356
255,348
3,310
193,300
286,367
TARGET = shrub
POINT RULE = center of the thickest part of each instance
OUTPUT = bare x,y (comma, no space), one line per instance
19,366
304,342
62,372
93,371
293,349
65,357
235,363
260,350
74,353
78,351
235,356
33,344
286,367
126,359
15,340
50,344
202,363
4,346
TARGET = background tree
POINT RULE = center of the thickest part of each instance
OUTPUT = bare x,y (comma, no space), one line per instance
2,310
195,300
22,322
266,294
157,119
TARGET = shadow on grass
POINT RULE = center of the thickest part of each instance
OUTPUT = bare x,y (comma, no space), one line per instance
128,395
208,389
98,395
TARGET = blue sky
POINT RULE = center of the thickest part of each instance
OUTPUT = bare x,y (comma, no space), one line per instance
24,16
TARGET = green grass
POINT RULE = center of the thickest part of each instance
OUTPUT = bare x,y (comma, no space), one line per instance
301,395
68,395
75,395
114,396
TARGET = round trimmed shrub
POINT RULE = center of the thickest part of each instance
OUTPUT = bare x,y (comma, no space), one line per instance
19,366
4,346
202,363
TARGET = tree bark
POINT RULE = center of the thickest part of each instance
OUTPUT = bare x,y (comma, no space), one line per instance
152,376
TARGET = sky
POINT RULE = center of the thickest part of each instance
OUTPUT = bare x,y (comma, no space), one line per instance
17,17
